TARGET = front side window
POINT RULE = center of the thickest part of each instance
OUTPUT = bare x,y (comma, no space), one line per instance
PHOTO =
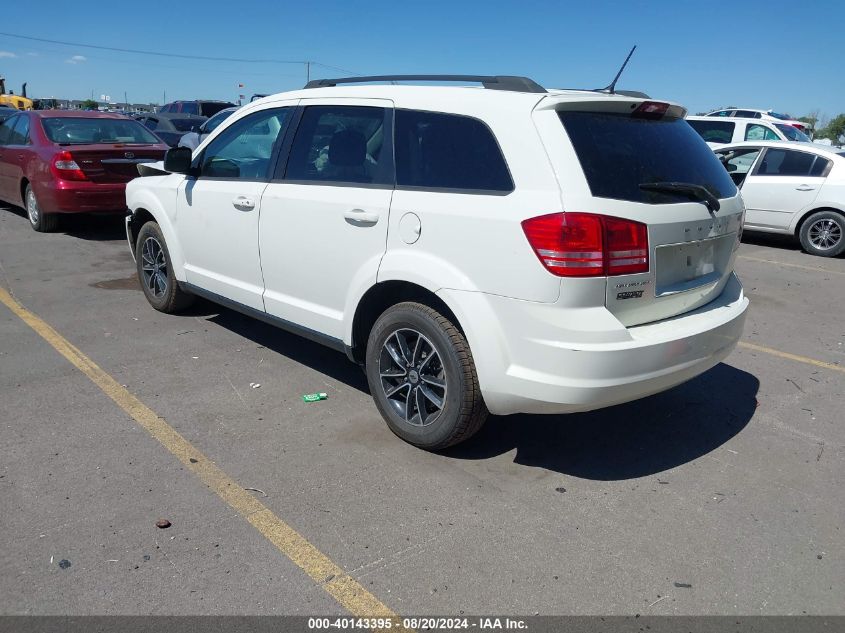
619,153
783,162
739,161
244,149
714,131
448,151
757,132
190,108
342,144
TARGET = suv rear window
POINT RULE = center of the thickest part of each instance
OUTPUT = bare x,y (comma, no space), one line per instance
619,152
210,109
448,151
82,131
714,131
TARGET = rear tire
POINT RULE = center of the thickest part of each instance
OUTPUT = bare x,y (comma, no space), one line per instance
38,220
155,271
422,377
823,234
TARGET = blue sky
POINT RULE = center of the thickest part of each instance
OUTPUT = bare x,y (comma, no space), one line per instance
780,54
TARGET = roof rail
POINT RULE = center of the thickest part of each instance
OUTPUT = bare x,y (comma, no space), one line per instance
491,82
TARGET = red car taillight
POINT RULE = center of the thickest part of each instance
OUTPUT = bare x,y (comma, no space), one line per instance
588,245
65,167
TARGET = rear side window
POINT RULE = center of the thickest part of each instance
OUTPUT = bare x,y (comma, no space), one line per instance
819,168
20,133
446,151
619,152
340,144
6,130
189,108
714,131
781,162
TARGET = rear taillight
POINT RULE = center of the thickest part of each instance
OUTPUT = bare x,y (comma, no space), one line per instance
65,167
588,245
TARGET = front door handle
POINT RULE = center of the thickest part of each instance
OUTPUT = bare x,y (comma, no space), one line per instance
361,217
805,188
243,203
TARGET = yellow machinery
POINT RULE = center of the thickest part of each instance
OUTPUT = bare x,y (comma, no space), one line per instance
16,101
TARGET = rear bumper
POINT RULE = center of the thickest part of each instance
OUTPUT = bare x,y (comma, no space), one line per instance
81,197
543,358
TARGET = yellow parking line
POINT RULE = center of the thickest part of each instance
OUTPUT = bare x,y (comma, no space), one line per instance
770,261
787,355
319,567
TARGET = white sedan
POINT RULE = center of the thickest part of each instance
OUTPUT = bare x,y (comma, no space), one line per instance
792,188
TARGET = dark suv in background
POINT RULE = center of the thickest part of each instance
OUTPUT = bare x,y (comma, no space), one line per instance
202,108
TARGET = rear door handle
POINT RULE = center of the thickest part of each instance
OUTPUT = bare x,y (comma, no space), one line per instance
243,203
805,188
359,216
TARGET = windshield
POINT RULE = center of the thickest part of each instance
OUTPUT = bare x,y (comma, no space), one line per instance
618,153
82,131
792,133
184,125
216,120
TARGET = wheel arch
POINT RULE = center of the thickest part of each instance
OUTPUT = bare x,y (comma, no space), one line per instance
803,217
22,189
146,208
379,298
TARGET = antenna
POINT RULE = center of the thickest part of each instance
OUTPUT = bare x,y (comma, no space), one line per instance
612,87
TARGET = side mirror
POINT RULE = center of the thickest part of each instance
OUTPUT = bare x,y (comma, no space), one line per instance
177,160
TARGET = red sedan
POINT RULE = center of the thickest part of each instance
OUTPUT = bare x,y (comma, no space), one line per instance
55,161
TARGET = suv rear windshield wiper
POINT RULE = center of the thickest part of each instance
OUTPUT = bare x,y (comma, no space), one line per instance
694,191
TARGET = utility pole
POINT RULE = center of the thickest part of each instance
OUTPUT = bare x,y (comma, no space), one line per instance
125,100
307,72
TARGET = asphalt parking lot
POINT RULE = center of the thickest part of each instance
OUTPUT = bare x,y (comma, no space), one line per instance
722,496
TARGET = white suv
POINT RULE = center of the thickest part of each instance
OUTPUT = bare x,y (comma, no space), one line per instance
504,248
718,131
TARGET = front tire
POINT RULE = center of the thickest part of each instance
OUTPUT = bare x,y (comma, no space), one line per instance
823,234
155,271
38,220
422,377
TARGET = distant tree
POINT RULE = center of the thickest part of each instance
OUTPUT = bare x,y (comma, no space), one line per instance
835,130
90,104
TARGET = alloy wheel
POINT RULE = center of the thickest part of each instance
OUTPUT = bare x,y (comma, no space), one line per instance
32,209
413,377
154,267
825,234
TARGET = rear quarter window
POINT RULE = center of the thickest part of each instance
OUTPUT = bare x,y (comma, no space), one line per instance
619,152
447,151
